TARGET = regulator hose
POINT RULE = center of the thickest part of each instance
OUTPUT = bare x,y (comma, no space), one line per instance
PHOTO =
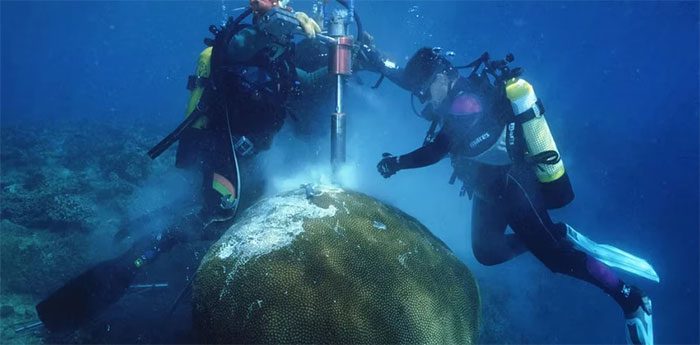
360,31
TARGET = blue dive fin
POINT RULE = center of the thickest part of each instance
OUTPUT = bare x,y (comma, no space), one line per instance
612,256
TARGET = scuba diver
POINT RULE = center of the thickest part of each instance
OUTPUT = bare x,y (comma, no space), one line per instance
492,126
237,96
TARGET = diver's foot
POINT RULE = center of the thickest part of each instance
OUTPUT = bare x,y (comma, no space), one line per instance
212,215
638,321
213,224
219,215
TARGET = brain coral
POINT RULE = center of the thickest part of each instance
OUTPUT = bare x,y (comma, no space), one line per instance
332,266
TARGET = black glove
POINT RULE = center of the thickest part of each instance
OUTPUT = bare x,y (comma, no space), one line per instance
389,165
367,57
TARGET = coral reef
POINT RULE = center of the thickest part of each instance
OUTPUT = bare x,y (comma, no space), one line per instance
16,311
63,187
55,175
332,267
35,262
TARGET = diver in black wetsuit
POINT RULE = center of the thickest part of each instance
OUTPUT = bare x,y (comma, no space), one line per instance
512,169
236,106
238,99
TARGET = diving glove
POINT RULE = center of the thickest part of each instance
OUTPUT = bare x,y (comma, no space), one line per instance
309,25
367,57
638,322
389,165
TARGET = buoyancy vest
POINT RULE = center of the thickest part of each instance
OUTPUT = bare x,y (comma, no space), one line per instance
486,140
253,92
471,117
471,121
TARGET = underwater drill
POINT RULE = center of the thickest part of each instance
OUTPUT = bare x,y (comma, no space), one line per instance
340,65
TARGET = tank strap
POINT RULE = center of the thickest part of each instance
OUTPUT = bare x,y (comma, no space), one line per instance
195,81
550,157
222,36
516,149
467,184
537,110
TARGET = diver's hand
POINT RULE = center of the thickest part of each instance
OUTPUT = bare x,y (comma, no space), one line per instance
309,25
368,59
389,165
367,56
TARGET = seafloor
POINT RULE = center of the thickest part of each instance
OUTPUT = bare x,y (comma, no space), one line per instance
65,191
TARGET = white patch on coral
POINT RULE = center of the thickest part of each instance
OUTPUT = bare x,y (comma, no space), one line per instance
379,225
271,224
328,189
403,257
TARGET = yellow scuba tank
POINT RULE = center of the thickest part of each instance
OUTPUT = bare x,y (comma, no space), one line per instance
196,85
541,149
203,71
536,133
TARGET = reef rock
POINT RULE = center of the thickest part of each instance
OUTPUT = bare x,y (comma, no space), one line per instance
332,266
36,262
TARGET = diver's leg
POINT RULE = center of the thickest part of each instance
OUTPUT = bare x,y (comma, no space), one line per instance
253,181
530,219
490,244
189,147
85,296
219,191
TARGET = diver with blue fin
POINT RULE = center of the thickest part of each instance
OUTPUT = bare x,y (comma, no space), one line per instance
492,126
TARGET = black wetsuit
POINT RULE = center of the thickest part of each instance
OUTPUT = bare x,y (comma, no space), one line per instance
504,195
252,78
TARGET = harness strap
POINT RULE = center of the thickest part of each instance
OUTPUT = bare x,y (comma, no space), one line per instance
430,135
379,81
550,157
536,111
195,81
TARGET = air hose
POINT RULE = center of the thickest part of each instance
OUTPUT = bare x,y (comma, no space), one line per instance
356,17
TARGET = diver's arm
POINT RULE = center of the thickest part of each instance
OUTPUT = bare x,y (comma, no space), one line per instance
426,155
272,31
397,76
308,79
373,61
369,58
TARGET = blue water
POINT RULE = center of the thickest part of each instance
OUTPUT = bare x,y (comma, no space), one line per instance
619,79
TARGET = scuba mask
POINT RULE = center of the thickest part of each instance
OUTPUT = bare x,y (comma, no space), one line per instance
422,70
423,91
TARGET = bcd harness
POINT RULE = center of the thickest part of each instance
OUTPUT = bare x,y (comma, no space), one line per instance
267,78
488,78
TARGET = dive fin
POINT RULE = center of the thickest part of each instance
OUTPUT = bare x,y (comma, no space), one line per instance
639,326
86,295
612,256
